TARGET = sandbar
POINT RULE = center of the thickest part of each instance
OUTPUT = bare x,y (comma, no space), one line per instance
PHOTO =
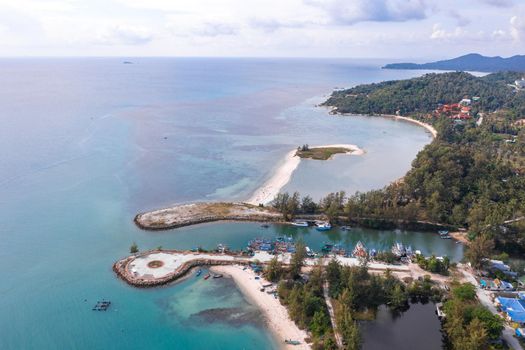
282,175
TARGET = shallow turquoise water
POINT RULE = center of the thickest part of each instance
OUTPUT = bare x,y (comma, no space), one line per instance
86,143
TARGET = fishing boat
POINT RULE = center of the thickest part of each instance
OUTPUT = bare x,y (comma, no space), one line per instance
345,228
327,247
199,272
222,248
207,276
300,223
309,252
398,249
443,233
359,250
292,342
217,275
323,226
265,225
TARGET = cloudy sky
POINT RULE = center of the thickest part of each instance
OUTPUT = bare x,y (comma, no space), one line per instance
278,28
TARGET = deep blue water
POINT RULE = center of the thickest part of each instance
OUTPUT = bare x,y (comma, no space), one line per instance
86,143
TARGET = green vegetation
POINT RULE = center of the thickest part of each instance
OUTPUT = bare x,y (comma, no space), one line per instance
433,264
469,325
479,249
419,96
320,153
134,249
471,175
304,298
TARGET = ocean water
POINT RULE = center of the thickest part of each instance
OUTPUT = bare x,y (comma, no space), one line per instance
86,143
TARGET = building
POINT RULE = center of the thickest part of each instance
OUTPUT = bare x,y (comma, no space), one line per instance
513,307
520,84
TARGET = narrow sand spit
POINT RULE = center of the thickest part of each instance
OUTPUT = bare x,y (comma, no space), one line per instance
276,315
267,192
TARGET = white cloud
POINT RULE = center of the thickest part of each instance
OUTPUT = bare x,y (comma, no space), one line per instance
439,33
499,3
517,27
124,34
355,11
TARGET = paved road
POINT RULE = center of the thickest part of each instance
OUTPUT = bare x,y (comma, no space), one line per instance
484,298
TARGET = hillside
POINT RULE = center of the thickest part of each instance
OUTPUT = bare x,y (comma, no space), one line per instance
470,62
472,174
421,95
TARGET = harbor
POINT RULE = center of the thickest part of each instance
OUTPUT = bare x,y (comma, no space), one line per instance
158,267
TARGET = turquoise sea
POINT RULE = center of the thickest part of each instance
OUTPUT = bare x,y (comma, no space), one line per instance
86,143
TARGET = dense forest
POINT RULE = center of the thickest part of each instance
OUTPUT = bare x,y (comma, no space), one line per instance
419,96
471,175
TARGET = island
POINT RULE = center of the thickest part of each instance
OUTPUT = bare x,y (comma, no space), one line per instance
322,152
470,62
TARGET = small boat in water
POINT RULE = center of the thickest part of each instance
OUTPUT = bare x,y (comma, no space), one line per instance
265,225
199,272
207,276
345,228
300,223
218,275
323,226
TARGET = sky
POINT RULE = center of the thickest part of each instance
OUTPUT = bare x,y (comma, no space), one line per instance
416,29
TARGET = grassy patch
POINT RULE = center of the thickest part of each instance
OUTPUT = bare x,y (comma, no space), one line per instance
321,153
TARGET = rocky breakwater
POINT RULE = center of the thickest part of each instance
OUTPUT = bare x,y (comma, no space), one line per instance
196,213
155,268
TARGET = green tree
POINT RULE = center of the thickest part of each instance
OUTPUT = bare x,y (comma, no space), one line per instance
134,249
479,249
398,298
464,292
273,270
297,259
320,324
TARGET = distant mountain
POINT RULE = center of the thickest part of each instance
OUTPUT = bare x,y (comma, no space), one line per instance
470,62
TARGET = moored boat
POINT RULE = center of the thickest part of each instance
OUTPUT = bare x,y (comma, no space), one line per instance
359,250
207,276
398,249
300,223
323,226
217,275
199,272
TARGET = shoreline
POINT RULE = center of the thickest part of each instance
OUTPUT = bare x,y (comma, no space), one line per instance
428,127
276,315
282,175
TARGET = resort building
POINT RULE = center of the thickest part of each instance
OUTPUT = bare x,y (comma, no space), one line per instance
520,84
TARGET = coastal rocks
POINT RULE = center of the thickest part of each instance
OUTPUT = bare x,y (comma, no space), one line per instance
197,213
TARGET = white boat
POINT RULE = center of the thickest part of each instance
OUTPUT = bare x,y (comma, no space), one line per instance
398,249
324,226
300,223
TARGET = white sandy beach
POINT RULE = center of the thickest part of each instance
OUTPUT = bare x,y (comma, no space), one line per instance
267,192
429,127
275,314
